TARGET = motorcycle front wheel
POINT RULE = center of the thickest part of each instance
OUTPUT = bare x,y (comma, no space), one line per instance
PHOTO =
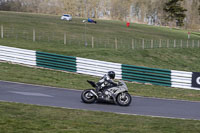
124,99
88,97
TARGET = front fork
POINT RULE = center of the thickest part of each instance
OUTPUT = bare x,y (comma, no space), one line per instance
94,93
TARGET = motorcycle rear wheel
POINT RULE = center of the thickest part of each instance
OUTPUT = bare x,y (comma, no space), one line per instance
88,97
124,99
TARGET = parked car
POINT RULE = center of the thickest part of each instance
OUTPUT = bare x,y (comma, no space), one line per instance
66,17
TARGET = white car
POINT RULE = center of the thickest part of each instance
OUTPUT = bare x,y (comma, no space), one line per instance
66,17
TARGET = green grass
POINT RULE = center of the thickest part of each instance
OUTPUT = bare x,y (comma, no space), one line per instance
186,59
104,28
108,27
17,73
21,118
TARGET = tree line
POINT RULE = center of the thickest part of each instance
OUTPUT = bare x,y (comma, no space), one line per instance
155,12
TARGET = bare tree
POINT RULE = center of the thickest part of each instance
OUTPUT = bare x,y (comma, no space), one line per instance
143,11
120,9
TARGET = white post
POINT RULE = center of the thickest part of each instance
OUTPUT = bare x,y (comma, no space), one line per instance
198,43
33,35
143,43
2,31
65,38
85,35
151,44
116,43
187,44
168,43
181,43
92,42
174,43
132,43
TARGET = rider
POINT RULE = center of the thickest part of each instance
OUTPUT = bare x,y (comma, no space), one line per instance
107,81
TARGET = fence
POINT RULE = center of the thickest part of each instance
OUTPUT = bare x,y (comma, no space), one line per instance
79,40
162,77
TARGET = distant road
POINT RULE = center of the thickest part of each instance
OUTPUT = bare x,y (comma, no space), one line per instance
59,97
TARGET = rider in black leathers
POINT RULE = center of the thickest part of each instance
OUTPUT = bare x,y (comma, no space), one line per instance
106,81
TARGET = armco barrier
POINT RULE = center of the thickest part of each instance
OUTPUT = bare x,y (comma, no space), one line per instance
97,68
181,79
146,75
18,55
55,61
163,77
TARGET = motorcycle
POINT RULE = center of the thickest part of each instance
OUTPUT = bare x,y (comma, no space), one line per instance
118,95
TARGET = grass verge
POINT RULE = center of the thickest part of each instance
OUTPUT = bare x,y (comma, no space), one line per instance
17,73
43,23
22,118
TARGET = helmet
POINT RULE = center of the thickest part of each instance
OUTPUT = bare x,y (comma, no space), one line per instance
111,74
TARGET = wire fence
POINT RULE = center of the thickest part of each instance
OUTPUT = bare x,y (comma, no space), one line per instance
90,41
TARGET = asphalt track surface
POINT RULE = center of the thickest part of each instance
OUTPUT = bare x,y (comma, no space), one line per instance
59,97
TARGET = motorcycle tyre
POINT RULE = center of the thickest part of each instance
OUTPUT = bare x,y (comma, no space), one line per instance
122,104
86,100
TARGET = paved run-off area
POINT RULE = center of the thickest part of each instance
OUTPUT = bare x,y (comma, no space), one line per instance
67,98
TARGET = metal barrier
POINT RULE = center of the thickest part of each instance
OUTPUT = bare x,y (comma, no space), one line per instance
163,77
146,75
18,55
181,79
55,61
97,68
